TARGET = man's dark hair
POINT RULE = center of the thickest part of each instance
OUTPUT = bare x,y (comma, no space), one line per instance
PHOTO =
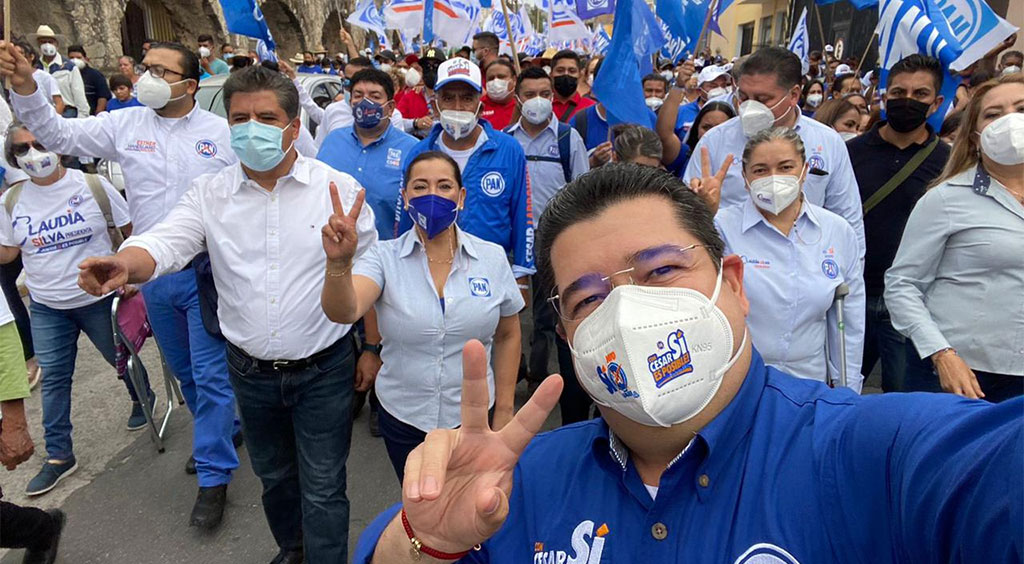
310,53
360,62
656,77
594,192
257,78
204,37
814,54
1006,54
566,54
378,77
272,65
189,60
489,40
239,63
223,45
840,81
117,80
781,62
951,124
531,73
150,41
28,50
918,63
432,156
503,63
464,50
77,49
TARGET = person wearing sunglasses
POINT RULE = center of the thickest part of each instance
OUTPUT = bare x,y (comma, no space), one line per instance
54,220
796,255
433,288
161,148
702,452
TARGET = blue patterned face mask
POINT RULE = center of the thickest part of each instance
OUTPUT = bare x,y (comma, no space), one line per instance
433,213
258,145
367,114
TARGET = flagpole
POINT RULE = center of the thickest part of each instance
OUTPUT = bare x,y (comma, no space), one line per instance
866,49
707,22
821,30
508,30
7,34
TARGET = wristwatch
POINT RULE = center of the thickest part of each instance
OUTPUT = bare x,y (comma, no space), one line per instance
375,349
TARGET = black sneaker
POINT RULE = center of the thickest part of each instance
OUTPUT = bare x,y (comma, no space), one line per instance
137,420
50,475
209,508
288,557
49,555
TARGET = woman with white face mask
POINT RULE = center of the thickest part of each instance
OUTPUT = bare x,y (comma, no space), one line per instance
55,222
956,286
795,256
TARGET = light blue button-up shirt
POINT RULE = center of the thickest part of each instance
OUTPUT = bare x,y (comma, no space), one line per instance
835,191
377,166
958,277
546,177
420,382
791,282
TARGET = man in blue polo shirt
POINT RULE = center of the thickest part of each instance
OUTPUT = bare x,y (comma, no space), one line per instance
493,167
702,453
371,150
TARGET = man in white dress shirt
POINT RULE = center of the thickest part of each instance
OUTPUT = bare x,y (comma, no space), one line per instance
161,148
768,89
291,368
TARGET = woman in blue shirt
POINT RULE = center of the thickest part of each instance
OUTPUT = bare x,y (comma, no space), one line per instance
795,255
433,288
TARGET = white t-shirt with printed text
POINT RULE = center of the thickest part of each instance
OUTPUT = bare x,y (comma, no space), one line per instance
57,227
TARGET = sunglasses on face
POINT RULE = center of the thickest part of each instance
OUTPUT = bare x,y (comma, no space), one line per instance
21,149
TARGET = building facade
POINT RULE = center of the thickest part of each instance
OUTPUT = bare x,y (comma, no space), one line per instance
111,28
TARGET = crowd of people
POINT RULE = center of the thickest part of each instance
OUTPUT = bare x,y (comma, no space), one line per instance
703,282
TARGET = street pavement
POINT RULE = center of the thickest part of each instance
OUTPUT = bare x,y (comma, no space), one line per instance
129,503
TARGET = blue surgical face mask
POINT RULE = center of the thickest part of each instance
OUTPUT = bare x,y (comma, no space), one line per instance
367,114
433,213
258,145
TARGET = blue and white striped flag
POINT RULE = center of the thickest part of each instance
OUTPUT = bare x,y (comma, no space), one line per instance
564,24
264,52
799,42
956,32
600,41
367,16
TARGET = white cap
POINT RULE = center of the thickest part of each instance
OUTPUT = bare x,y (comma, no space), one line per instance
458,69
710,73
843,69
829,49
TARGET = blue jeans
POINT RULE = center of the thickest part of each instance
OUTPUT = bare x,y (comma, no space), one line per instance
198,362
298,429
55,333
883,342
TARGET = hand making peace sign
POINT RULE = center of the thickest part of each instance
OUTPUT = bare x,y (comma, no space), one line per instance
340,237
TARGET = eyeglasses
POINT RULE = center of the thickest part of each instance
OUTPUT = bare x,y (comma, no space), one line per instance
158,71
665,265
21,149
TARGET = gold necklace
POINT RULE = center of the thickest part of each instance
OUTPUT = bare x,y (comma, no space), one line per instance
450,260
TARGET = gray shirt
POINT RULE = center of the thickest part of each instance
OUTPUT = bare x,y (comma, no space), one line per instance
420,382
547,176
958,277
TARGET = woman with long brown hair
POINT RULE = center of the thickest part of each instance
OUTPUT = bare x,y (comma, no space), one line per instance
956,286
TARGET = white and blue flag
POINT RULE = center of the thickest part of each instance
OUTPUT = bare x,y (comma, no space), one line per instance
956,32
798,44
367,16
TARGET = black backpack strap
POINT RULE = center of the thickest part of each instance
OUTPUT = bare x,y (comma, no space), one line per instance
565,150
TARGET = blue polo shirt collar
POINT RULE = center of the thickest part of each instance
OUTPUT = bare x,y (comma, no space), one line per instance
359,142
712,446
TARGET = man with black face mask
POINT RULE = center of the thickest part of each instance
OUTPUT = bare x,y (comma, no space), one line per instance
415,104
894,163
565,73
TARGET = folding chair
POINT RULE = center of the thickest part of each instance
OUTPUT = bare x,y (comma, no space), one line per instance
136,371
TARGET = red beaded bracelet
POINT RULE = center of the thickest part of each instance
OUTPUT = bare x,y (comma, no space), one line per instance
419,549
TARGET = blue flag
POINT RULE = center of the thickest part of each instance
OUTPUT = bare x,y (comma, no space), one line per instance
859,4
800,42
635,37
675,48
264,52
587,9
367,16
244,17
684,18
956,32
